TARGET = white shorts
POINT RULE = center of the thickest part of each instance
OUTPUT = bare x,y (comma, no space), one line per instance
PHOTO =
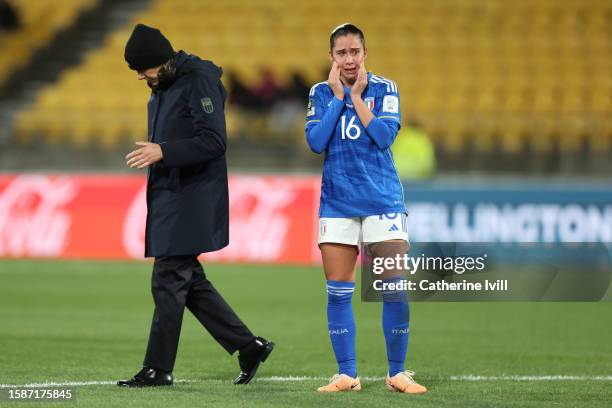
374,228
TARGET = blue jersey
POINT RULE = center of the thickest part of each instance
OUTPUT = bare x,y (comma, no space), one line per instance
359,176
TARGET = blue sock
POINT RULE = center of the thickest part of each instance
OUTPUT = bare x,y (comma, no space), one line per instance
341,325
395,322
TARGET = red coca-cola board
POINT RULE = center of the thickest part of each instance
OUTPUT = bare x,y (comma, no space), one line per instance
272,218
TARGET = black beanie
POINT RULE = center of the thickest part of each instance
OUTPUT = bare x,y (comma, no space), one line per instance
147,48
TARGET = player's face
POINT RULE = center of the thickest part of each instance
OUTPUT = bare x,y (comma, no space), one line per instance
151,75
349,54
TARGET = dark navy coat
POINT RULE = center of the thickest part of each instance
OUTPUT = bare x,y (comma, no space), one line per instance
187,194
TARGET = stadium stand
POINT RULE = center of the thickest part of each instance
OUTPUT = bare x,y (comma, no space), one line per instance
39,21
493,75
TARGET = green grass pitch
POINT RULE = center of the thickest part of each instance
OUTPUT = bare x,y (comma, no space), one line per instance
88,321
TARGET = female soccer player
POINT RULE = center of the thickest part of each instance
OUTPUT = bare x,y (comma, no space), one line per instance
354,117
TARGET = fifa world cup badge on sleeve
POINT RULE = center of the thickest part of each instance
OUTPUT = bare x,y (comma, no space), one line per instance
311,109
390,104
369,101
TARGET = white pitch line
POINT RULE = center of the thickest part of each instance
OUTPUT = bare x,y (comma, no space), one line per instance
461,378
70,384
531,378
292,378
57,384
308,378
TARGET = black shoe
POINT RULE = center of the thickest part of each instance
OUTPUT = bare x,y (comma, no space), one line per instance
250,357
148,377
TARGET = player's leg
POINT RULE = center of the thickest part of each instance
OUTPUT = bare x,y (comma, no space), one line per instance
388,237
338,238
395,309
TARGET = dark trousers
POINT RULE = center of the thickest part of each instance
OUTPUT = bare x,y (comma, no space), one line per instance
179,281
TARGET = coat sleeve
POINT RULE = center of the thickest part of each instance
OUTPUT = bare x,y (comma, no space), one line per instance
206,101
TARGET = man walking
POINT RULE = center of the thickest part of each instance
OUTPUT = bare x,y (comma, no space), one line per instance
187,204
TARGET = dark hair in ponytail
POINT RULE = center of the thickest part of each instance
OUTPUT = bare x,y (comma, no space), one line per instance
345,29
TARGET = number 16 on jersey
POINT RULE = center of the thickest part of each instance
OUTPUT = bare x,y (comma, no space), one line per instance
350,130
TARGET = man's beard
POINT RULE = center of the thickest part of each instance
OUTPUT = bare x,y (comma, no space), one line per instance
150,84
165,76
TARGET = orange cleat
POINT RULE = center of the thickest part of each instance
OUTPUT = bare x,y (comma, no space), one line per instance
403,382
341,382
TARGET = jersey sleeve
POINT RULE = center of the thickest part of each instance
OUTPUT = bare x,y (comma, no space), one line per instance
390,107
314,111
321,120
384,126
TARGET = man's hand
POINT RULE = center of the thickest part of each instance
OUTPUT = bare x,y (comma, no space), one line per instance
360,83
146,155
334,81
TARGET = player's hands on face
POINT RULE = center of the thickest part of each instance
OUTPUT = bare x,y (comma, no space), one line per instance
146,155
334,81
361,82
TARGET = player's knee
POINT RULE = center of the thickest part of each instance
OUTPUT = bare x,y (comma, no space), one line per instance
340,292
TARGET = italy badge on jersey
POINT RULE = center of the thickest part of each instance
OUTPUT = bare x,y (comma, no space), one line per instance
369,101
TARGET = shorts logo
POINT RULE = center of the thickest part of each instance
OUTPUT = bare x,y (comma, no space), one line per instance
323,227
207,105
390,104
394,228
369,101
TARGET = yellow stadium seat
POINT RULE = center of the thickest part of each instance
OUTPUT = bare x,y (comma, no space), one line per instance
40,21
468,70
